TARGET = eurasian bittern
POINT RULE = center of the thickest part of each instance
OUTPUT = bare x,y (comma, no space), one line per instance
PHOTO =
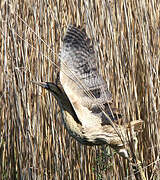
83,96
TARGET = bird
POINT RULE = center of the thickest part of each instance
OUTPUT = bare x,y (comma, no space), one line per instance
84,98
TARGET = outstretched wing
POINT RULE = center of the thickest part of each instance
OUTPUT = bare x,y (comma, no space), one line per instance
79,75
78,55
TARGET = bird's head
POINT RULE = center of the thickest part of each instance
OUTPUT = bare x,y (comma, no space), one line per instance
52,87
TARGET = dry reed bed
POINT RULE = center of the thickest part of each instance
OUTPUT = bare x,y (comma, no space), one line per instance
33,141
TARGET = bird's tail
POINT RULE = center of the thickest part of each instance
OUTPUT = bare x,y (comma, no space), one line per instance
136,126
130,130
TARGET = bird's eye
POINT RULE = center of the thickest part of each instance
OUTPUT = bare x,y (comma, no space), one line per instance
91,50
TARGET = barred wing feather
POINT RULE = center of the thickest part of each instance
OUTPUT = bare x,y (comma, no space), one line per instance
79,75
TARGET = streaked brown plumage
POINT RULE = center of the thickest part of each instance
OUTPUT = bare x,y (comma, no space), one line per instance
83,96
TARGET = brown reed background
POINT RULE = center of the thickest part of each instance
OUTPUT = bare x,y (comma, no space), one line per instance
33,141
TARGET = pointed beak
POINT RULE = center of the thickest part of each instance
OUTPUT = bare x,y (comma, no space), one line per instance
42,84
